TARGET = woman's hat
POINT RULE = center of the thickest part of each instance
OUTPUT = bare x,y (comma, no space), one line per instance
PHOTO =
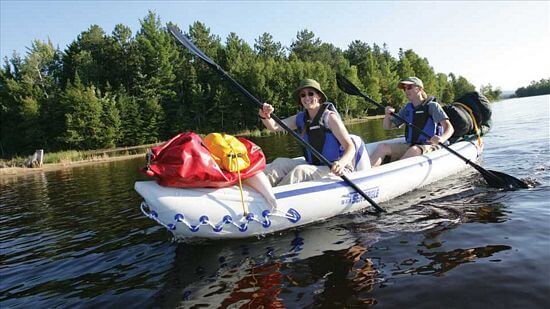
309,83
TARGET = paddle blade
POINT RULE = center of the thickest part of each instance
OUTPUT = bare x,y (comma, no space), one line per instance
505,181
346,86
186,42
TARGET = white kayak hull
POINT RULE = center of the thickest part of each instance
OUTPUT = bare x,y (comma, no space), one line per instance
218,212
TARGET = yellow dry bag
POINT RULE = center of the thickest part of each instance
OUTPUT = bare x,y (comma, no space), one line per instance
227,151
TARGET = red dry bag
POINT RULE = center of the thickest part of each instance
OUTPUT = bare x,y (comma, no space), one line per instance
184,162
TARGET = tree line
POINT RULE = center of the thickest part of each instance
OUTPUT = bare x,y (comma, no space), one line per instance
535,88
119,89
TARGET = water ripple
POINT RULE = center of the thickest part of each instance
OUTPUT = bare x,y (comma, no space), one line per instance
76,238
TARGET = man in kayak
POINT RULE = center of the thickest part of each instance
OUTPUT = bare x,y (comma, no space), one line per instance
321,126
422,111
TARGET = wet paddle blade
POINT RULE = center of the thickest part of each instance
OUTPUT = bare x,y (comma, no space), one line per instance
346,86
186,42
504,181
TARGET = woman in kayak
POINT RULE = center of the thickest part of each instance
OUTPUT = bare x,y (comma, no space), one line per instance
320,125
422,111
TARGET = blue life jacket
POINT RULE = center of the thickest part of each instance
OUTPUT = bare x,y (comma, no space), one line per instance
319,136
422,119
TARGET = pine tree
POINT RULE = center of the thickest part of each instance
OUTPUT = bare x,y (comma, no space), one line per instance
202,83
305,46
423,70
89,57
236,57
388,78
266,48
152,118
124,59
404,66
155,82
111,122
131,121
83,118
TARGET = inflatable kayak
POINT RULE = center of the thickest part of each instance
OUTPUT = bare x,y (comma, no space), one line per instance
218,212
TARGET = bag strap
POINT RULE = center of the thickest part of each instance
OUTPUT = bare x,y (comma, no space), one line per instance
471,112
233,157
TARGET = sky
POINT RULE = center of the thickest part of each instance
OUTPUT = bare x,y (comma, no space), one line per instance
502,43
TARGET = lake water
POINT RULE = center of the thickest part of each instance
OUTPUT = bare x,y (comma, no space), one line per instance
76,237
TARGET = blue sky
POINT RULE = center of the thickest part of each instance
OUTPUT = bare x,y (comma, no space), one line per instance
504,43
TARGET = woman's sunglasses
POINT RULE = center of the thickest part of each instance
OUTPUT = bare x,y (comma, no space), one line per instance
309,94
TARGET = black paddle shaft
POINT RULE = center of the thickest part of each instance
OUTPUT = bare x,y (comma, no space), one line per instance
501,181
196,51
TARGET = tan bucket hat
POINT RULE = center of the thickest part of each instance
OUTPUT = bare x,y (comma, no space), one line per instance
309,83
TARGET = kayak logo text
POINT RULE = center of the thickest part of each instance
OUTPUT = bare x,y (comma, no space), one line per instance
355,197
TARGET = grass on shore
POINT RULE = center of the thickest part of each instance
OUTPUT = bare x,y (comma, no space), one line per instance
73,156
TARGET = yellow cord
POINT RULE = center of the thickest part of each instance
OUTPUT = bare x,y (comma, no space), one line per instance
233,160
245,209
476,128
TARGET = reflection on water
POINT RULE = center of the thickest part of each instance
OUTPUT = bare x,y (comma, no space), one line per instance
442,262
76,237
335,262
260,287
267,272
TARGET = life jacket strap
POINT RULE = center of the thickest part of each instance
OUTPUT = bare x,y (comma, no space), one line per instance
419,119
315,132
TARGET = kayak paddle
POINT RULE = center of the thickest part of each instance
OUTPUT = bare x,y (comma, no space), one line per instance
186,42
493,178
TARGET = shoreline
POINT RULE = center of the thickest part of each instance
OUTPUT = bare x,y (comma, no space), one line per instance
18,171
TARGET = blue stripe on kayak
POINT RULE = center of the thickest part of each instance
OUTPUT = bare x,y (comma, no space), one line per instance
335,184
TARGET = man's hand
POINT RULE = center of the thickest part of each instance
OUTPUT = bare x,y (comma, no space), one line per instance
436,139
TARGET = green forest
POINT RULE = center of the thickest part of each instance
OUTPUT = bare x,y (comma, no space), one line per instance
535,88
120,89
